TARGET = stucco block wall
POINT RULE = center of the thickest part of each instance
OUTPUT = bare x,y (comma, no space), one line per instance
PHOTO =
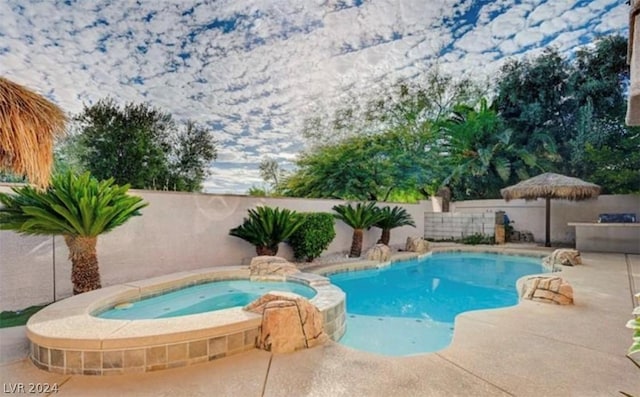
455,225
26,269
184,231
177,231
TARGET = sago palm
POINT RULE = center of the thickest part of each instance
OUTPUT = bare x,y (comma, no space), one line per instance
78,207
360,217
391,219
267,227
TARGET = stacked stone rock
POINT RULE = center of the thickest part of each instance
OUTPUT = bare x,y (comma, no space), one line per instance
264,268
289,323
521,236
562,257
416,244
565,257
548,289
379,253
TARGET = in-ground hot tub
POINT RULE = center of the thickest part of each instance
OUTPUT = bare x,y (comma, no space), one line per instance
67,337
201,298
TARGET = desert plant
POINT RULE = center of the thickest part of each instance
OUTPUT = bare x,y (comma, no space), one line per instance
360,217
477,238
314,236
391,219
267,227
78,207
634,324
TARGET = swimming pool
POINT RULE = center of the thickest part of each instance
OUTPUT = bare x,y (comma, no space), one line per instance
201,298
410,307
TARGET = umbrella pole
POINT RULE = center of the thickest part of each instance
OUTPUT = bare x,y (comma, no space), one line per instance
547,225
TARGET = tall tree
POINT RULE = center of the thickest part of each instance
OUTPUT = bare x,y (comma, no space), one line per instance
190,157
141,146
599,77
369,167
353,169
482,155
577,104
272,173
127,144
531,97
405,104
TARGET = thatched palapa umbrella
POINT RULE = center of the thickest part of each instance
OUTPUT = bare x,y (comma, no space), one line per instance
551,186
28,125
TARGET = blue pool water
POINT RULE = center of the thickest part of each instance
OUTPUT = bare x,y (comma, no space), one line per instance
410,307
203,298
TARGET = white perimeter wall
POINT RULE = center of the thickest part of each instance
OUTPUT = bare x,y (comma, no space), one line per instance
177,231
183,231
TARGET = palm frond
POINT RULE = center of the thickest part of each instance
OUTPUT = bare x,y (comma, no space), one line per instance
394,217
268,227
362,216
76,205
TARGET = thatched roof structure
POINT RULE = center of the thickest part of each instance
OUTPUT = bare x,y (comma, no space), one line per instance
549,185
28,125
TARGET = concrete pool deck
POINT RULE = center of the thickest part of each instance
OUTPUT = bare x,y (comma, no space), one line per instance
533,349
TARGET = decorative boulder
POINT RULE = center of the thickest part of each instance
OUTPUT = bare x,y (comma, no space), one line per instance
417,244
289,323
271,268
379,253
548,290
526,237
565,257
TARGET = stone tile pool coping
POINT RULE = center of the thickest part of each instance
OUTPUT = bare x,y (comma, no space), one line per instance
66,338
360,264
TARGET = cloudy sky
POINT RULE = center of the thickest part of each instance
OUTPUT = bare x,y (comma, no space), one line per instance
253,70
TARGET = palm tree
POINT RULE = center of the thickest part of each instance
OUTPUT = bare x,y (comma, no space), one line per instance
482,151
78,207
267,227
363,216
391,219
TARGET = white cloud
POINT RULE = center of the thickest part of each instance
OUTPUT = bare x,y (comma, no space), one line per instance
268,63
549,10
619,15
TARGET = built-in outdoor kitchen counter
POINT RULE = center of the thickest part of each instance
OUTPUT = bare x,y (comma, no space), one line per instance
612,233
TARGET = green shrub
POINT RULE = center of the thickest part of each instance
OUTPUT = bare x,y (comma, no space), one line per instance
19,317
314,236
477,238
634,324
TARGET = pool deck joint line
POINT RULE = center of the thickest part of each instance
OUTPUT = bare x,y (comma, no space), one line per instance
473,374
266,375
